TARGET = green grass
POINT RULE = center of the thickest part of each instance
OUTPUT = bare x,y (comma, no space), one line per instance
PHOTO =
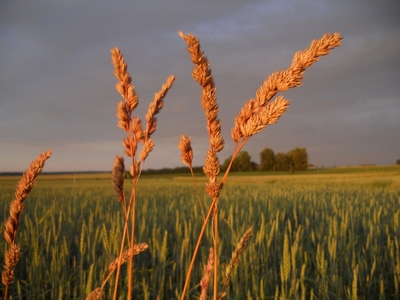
342,230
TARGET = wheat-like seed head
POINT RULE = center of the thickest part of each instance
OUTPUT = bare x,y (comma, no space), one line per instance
154,108
148,146
185,146
133,125
202,74
205,280
283,80
97,294
286,259
11,258
134,169
253,117
23,188
156,105
124,86
235,258
211,168
17,206
123,115
137,129
135,250
118,179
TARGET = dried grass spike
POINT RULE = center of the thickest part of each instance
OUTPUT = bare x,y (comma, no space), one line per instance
124,86
274,110
119,64
186,150
17,205
147,148
247,122
118,179
205,280
202,74
156,106
23,188
125,256
211,165
134,169
11,258
97,294
235,257
137,129
130,146
286,259
213,189
123,116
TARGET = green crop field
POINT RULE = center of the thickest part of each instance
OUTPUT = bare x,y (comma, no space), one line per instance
316,235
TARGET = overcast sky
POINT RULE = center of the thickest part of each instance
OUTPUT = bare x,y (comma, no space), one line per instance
57,84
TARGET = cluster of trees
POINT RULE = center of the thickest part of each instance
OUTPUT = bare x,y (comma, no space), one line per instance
242,163
294,160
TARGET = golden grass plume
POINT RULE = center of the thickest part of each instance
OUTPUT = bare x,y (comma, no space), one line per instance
255,115
205,280
260,112
24,186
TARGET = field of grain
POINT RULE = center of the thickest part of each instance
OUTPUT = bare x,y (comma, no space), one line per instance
313,236
321,236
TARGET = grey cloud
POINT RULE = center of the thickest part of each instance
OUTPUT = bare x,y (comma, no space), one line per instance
57,86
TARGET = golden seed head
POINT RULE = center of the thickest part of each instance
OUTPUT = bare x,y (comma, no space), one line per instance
135,250
129,146
118,178
185,146
213,189
211,165
205,280
11,258
156,106
137,129
258,113
148,146
97,294
134,169
123,116
202,74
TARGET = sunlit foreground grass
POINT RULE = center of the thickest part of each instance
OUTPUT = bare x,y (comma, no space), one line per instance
327,235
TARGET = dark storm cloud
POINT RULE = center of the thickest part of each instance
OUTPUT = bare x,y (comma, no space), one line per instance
57,86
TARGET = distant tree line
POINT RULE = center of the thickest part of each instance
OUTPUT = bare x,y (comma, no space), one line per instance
294,160
242,163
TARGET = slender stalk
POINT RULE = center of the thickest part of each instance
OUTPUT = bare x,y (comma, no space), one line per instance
132,245
6,292
211,209
197,192
215,227
123,241
207,218
236,151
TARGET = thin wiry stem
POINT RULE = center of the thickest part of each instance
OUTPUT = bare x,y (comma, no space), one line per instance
215,229
196,249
